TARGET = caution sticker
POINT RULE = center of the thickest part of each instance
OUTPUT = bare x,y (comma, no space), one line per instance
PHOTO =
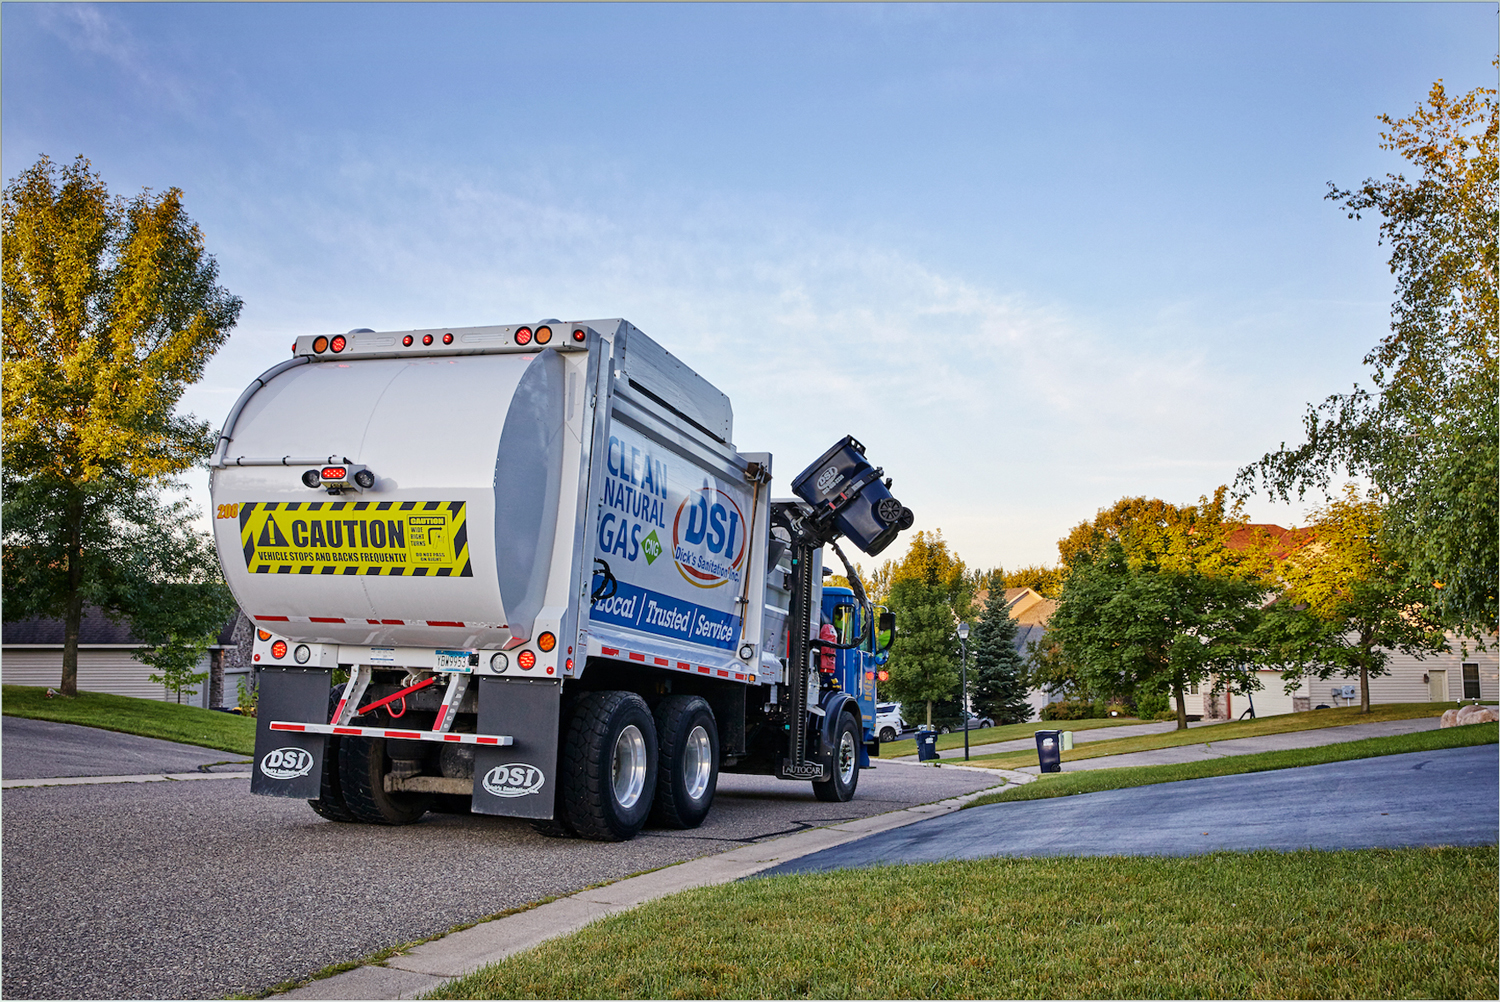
393,538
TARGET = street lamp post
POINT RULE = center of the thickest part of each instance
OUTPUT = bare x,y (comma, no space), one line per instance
963,703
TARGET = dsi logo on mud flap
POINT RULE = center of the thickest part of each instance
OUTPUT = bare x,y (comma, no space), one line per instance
287,763
515,780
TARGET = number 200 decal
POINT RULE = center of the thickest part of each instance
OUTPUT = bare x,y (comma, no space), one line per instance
287,763
516,780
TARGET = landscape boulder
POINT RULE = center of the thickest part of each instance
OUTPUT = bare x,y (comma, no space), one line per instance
1469,715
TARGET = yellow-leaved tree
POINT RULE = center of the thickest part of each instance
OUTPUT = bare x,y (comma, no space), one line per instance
111,309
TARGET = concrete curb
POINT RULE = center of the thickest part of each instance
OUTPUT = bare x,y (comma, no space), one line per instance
161,777
425,967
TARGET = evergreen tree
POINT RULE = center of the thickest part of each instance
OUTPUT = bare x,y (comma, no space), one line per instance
930,590
997,676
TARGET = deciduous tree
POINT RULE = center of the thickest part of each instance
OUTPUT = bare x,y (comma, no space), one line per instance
1426,433
111,309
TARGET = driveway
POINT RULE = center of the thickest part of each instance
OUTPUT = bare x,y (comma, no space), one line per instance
1445,797
42,749
197,889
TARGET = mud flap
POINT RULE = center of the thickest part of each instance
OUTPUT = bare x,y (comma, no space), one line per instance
519,781
287,764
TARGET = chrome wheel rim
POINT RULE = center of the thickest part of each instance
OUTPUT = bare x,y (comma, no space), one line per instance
697,763
848,758
628,767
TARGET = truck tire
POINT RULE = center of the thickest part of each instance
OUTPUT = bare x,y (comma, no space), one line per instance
845,763
609,766
887,735
362,769
330,803
687,770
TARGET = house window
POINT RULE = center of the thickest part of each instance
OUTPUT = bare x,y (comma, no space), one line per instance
1471,681
1193,688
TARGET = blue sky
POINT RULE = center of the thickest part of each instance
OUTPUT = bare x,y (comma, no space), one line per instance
1037,257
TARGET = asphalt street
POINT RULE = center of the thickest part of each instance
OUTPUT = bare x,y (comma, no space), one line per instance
190,890
1445,797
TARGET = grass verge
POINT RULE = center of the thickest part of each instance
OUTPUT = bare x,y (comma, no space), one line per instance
1067,784
1364,924
1006,732
1286,723
149,718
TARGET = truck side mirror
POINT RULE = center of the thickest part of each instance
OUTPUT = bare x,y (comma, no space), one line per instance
885,630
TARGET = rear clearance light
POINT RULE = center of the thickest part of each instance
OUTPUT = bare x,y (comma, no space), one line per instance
334,472
406,342
525,659
338,343
570,664
447,339
546,642
427,339
543,335
320,343
523,335
278,650
579,336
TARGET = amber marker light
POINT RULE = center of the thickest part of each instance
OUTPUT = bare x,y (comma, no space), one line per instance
543,334
320,344
546,642
262,634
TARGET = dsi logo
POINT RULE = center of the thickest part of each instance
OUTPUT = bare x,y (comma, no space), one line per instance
515,780
287,763
708,538
829,479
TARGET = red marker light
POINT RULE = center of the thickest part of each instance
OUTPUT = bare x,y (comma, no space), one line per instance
338,343
320,343
884,676
278,650
447,339
427,339
335,472
550,669
543,335
579,335
523,335
406,341
570,664
525,659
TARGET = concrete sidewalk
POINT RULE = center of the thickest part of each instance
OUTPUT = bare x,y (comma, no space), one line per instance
1250,746
425,967
1079,737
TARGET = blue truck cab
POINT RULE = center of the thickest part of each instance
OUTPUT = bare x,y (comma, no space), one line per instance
855,669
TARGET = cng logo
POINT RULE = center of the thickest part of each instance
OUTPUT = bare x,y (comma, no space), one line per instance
651,546
287,763
515,780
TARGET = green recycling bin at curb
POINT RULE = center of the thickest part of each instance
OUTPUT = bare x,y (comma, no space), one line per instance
927,746
1049,748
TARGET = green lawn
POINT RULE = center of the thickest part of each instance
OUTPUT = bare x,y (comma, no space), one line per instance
1006,732
1282,724
147,717
1066,784
1367,924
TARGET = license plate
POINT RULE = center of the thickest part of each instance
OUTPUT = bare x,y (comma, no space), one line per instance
453,661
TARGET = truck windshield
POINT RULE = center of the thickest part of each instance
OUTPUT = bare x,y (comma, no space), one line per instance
845,623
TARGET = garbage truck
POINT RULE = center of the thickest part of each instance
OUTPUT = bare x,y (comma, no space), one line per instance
525,571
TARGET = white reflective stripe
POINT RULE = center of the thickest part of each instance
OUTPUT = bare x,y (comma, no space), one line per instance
498,740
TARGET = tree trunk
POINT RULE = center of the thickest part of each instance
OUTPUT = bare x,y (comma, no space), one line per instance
1364,687
1181,708
73,612
929,714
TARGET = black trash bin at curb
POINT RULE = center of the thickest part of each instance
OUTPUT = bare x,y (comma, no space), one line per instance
1049,750
927,746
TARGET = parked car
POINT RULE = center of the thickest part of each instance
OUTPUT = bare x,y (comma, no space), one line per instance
975,723
888,722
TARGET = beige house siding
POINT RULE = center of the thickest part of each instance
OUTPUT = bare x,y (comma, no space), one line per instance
109,669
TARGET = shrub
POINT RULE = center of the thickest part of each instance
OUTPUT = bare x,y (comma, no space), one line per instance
1071,709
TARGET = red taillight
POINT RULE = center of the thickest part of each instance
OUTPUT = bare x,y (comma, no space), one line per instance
406,341
335,472
278,650
338,343
546,642
543,335
579,336
320,343
523,335
447,339
427,339
525,659
883,676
